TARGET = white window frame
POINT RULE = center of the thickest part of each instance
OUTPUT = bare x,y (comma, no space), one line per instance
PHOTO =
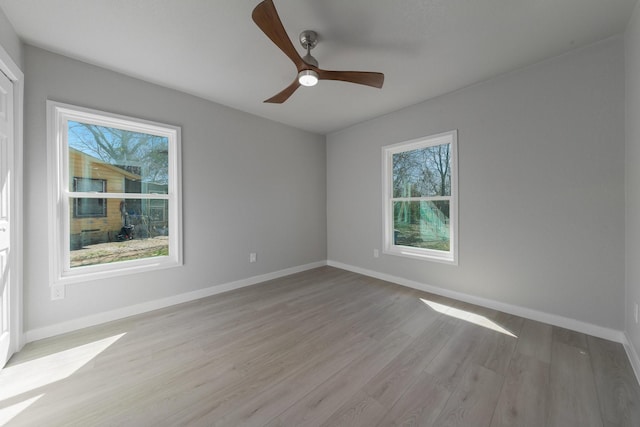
389,247
58,115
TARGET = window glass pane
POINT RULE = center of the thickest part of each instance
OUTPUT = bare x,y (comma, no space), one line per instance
422,224
132,229
90,185
425,172
129,162
89,207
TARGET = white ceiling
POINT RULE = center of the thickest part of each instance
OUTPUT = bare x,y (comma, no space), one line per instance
212,48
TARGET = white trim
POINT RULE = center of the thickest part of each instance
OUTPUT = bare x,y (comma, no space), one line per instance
132,310
61,273
108,316
15,74
632,354
540,316
388,243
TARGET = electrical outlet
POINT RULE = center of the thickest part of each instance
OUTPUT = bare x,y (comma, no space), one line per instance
57,292
376,253
253,257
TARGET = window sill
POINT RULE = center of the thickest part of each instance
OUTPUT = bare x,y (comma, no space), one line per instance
123,268
423,255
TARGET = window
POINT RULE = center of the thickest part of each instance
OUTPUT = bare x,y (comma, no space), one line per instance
420,198
115,203
89,207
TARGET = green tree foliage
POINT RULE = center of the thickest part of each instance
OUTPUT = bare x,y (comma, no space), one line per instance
424,172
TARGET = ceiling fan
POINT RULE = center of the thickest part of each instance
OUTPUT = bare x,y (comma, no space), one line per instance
266,18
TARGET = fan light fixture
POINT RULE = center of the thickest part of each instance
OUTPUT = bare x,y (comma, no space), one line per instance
308,78
266,18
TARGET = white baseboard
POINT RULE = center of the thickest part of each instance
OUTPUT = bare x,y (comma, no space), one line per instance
540,316
632,354
108,316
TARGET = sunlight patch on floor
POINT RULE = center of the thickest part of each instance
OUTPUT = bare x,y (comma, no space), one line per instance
467,316
8,413
33,374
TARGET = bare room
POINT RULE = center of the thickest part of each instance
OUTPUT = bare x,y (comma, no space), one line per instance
320,213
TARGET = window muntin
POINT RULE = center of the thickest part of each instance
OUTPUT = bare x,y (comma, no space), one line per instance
115,199
420,198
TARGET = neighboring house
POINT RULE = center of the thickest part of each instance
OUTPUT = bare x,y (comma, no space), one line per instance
96,220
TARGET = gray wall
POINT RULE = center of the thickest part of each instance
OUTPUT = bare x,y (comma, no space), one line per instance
9,40
249,185
632,45
541,187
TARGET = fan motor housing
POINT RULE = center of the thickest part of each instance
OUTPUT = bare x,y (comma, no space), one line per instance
308,39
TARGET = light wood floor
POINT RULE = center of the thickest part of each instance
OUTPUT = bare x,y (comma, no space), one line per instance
320,348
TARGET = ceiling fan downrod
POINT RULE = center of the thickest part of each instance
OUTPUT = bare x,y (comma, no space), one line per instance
309,40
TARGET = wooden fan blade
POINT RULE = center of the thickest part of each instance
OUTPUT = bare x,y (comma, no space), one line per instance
360,77
266,18
282,96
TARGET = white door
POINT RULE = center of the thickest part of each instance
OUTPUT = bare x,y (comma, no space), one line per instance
6,163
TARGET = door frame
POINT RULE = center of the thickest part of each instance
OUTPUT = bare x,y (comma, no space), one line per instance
15,74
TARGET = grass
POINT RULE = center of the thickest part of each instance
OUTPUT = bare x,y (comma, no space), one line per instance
105,253
409,235
161,252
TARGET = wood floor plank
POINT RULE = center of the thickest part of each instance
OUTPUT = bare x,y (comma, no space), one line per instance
523,399
473,402
321,347
419,406
360,411
395,378
495,350
509,322
573,400
618,390
449,365
275,399
417,321
535,340
569,337
320,404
